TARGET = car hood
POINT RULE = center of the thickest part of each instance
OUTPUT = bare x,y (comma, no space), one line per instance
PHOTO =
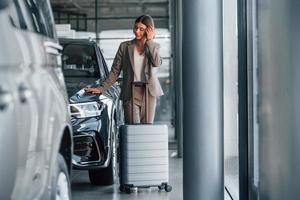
75,89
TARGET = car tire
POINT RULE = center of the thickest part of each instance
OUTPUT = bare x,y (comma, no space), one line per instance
103,176
61,189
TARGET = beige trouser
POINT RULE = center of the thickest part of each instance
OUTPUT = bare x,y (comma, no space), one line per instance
137,114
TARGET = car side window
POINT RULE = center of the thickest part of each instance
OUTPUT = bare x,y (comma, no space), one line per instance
102,65
46,16
15,15
35,17
41,17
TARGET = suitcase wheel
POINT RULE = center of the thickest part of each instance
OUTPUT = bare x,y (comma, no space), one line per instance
128,190
166,187
124,188
161,187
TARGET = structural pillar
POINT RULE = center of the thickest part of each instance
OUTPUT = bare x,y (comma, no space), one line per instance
202,70
177,63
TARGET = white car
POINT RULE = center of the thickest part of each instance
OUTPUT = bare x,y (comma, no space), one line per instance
35,130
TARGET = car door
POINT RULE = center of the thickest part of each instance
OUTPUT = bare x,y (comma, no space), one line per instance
20,120
28,178
8,112
39,88
48,83
114,91
115,107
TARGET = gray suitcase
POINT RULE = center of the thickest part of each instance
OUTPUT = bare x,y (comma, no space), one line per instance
144,157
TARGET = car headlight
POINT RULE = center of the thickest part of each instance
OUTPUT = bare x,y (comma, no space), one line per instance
89,109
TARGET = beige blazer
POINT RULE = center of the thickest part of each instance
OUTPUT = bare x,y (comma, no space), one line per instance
124,61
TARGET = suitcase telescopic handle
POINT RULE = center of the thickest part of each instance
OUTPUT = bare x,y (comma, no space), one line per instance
143,85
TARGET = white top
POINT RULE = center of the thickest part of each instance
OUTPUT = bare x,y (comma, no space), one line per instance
139,66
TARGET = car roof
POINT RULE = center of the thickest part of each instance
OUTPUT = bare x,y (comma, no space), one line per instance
77,41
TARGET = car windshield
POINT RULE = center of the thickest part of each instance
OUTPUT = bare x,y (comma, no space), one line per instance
80,61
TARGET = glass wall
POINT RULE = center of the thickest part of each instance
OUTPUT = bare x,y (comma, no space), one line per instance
231,164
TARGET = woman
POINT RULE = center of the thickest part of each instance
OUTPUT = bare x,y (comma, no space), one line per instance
137,58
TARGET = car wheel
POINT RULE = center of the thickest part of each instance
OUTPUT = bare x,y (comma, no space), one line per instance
61,185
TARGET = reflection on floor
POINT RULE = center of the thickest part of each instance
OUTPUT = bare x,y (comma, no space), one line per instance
82,189
231,172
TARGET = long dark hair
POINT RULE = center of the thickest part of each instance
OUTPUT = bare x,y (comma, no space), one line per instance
148,21
145,19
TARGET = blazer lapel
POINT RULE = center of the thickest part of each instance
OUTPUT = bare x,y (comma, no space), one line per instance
131,54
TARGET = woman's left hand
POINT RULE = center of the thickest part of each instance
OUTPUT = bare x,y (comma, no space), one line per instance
150,31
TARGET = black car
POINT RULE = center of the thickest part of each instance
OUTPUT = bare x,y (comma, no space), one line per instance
95,119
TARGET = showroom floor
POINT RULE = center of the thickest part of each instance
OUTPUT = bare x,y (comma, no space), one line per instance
82,189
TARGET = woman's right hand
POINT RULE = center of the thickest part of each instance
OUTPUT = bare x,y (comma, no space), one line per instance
150,32
98,90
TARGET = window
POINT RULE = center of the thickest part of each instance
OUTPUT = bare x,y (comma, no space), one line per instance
78,21
102,64
16,16
80,61
41,17
46,15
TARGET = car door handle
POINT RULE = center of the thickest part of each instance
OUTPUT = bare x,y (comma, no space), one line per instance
24,93
5,99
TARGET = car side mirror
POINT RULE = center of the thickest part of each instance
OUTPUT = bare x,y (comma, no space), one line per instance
4,4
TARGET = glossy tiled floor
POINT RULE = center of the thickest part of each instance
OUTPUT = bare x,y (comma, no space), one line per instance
82,190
